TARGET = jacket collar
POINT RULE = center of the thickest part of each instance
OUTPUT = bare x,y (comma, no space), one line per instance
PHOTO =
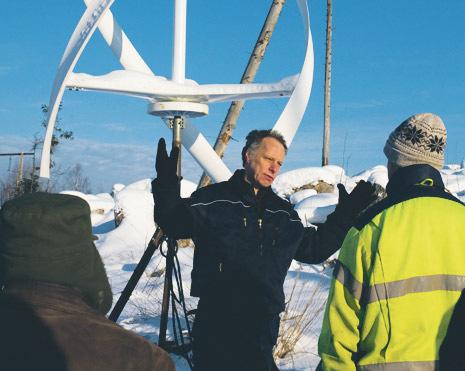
244,188
414,175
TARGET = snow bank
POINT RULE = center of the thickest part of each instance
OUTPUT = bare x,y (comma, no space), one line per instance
312,207
315,209
134,204
101,206
286,183
453,177
300,195
377,174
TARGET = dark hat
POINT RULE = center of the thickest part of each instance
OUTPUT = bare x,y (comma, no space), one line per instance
48,237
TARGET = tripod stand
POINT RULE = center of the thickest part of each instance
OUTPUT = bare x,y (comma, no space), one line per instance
181,344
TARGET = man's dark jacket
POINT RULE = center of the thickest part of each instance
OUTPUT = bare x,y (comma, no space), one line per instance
244,242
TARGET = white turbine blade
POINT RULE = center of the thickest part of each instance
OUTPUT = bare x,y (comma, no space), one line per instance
233,92
159,89
203,152
291,117
81,35
123,82
120,44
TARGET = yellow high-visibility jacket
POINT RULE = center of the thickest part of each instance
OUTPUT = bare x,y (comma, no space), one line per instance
399,274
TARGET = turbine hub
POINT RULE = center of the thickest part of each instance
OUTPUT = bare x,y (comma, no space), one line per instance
171,109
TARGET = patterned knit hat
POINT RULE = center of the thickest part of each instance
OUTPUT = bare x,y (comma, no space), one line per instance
48,238
421,139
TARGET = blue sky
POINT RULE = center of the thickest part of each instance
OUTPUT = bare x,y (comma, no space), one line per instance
391,59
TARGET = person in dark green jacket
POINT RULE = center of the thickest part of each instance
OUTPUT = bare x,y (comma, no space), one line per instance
54,293
401,267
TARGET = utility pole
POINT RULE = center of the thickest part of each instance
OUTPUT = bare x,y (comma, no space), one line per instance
19,178
248,77
327,99
19,187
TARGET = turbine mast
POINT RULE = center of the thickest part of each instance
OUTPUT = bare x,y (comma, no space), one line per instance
179,41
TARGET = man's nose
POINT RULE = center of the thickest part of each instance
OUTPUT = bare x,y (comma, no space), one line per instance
274,168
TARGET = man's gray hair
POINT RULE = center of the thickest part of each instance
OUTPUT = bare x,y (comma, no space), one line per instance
255,137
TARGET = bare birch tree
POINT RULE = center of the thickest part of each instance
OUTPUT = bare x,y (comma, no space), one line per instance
327,99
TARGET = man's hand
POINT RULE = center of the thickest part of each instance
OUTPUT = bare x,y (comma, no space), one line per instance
166,166
358,200
170,212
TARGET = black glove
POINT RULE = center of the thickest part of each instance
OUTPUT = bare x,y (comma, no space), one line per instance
358,200
166,166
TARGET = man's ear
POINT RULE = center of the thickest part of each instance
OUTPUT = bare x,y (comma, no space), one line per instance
248,157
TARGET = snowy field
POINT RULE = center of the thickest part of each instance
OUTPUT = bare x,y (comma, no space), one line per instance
306,285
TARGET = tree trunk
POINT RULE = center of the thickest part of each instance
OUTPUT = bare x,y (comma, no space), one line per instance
248,76
327,100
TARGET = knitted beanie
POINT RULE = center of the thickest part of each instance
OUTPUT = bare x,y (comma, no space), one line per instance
421,139
48,237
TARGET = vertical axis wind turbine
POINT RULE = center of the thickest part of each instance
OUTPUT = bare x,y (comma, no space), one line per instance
179,97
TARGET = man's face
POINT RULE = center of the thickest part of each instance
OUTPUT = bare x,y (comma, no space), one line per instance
262,166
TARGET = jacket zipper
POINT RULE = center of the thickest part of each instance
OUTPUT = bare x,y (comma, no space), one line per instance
260,222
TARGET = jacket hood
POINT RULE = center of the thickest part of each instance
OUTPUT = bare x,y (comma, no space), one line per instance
48,238
419,174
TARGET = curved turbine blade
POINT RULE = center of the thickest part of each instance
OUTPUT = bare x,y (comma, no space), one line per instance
234,92
159,89
289,120
203,152
81,35
120,44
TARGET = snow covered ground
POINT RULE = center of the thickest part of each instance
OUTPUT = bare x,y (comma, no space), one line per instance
306,285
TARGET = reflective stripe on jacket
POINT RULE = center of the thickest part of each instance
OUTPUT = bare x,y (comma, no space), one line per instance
401,270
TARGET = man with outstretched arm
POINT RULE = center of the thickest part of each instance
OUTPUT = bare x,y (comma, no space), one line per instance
245,239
